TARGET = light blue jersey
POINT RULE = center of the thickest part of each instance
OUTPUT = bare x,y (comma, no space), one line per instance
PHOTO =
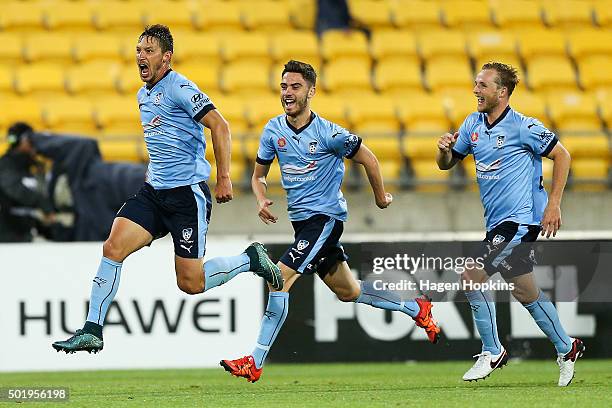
170,113
311,160
508,155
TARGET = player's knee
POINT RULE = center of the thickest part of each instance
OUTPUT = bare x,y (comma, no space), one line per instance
348,295
112,251
190,286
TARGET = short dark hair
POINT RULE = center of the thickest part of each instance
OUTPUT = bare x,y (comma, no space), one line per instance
303,68
163,35
507,75
17,132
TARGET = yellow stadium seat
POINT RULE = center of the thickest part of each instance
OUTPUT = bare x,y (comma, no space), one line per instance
568,14
121,16
233,110
470,15
250,145
589,174
587,145
338,44
12,48
219,16
596,72
245,78
397,76
303,13
93,79
332,108
21,16
237,172
204,75
517,14
374,14
391,171
460,105
192,47
423,114
575,111
50,47
541,43
97,47
347,77
297,45
375,115
118,116
20,109
606,111
69,16
532,105
69,115
266,16
178,15
420,147
246,48
260,109
416,14
434,45
392,44
237,150
7,79
385,147
487,46
603,12
428,176
551,74
588,43
39,79
449,75
121,149
128,80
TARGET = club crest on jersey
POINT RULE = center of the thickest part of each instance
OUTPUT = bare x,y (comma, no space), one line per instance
282,142
187,232
158,97
498,239
312,147
500,141
474,137
302,244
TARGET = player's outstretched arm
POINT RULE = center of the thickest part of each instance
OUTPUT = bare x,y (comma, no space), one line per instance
222,142
444,157
368,160
259,186
551,220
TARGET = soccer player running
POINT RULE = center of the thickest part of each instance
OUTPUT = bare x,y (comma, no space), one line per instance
311,152
508,148
175,197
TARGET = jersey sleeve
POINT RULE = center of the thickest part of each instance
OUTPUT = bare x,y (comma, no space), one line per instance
266,151
462,146
343,143
191,99
536,137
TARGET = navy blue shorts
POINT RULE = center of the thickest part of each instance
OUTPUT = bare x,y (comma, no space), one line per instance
508,249
317,247
184,212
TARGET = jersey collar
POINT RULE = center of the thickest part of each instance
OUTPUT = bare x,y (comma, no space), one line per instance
501,117
296,130
161,79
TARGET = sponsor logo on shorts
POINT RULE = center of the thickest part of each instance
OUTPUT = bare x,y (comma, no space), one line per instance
187,232
293,257
188,249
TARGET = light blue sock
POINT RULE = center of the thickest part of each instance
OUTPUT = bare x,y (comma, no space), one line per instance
103,290
547,318
384,299
271,323
222,269
483,311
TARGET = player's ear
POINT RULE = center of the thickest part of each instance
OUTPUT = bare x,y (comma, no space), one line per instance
312,91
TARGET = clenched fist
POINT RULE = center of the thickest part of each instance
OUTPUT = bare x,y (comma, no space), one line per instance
447,141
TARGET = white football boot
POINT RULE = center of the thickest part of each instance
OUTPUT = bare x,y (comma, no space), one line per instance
567,361
485,365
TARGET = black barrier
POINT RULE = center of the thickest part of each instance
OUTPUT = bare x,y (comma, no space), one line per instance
320,328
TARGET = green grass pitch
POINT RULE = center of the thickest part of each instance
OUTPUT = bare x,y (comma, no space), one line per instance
520,384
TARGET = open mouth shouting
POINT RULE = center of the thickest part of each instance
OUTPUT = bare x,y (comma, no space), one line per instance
145,71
